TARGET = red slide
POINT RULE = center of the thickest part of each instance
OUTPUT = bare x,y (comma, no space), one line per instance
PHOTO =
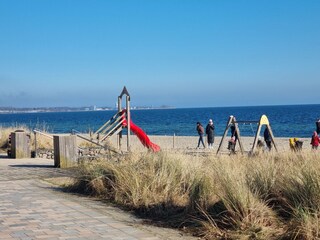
143,137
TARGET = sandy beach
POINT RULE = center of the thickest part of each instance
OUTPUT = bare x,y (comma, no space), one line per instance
189,143
174,143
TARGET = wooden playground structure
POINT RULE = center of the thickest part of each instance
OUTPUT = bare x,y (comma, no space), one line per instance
264,121
65,146
114,126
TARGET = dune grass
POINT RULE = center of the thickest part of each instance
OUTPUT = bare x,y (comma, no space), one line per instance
6,131
43,142
268,196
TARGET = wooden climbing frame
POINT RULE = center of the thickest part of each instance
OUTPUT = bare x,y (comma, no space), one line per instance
233,122
128,116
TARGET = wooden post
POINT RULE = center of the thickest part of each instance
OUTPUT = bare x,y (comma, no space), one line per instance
255,142
237,131
128,117
174,140
35,144
120,133
128,122
272,137
20,145
65,151
225,132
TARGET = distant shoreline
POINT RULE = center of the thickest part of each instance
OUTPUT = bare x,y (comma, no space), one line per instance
12,110
63,110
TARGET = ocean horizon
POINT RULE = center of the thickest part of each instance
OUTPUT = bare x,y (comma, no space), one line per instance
285,120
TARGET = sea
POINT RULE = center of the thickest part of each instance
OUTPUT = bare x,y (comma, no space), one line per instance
285,121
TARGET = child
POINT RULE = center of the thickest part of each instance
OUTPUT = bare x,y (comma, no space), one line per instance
234,138
315,140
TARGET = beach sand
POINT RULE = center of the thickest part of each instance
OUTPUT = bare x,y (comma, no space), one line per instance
189,143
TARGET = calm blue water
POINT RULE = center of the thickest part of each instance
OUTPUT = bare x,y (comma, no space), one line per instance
286,121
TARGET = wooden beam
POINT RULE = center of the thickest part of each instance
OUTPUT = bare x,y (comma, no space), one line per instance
110,125
225,132
128,121
255,142
98,144
104,125
272,137
245,121
120,133
237,131
43,134
110,133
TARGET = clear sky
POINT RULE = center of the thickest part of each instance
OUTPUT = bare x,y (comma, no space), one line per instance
181,53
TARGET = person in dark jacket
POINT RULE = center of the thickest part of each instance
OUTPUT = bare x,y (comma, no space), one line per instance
234,134
267,138
210,133
318,127
200,131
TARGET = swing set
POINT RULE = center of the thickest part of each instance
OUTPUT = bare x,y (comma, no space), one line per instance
233,122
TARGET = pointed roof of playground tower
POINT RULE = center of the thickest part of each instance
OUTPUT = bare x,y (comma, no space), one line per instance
124,91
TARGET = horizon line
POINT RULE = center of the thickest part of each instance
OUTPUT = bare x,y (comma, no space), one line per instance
161,106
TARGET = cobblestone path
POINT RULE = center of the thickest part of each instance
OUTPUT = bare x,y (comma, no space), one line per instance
31,208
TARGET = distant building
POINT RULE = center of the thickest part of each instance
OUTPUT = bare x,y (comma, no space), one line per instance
93,108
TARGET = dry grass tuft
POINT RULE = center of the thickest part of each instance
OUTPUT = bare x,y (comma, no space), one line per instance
43,142
232,197
6,131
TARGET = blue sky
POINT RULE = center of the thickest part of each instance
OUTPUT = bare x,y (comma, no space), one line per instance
181,53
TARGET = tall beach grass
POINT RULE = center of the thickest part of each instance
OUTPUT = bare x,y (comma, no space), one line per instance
42,141
269,196
266,196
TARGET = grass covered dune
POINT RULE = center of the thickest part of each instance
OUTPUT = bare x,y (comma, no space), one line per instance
216,197
266,196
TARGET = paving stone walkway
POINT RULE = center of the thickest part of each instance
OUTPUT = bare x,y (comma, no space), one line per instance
31,208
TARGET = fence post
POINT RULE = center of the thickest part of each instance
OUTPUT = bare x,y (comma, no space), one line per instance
35,145
65,151
20,145
174,140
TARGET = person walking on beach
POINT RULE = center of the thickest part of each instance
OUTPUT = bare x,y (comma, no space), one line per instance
200,131
318,127
267,138
315,140
210,133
